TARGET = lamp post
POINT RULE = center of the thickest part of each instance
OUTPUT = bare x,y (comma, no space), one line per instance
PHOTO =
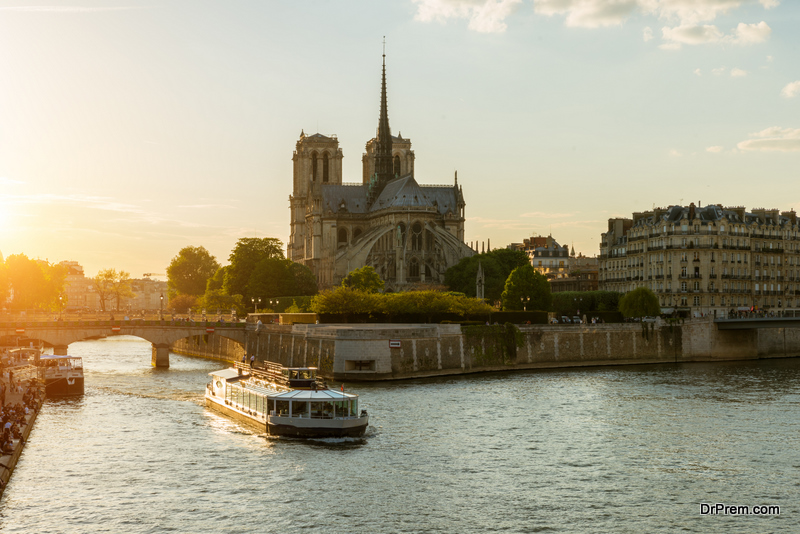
60,306
255,303
161,309
525,301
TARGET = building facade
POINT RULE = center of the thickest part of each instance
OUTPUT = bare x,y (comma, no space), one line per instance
81,295
410,233
708,260
564,270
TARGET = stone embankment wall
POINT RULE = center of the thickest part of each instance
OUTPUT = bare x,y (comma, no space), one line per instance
381,352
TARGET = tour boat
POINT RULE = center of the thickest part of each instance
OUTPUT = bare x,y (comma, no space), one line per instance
285,401
62,375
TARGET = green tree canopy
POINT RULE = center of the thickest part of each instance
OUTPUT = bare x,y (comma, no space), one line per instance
364,279
245,256
526,288
183,303
216,282
641,302
35,283
278,277
189,271
497,265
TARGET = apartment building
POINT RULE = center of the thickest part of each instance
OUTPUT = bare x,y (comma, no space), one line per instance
706,260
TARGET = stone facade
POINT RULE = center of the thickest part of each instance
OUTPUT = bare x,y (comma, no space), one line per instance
706,260
410,233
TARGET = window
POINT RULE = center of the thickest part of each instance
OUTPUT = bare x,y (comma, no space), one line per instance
697,301
325,168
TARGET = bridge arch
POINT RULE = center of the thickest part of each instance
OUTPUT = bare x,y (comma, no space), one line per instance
161,335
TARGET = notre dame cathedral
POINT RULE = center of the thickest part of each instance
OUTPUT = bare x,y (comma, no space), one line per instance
409,233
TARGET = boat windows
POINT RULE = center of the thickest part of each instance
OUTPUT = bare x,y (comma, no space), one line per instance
322,410
299,409
346,408
282,407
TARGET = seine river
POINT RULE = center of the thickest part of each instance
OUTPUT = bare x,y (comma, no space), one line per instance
614,449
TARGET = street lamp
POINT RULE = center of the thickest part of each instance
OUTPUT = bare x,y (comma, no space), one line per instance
525,301
255,303
60,306
161,310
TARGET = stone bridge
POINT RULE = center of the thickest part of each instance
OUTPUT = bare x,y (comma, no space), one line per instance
162,334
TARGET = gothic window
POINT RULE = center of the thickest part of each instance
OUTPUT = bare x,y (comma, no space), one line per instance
416,236
314,167
396,165
325,167
413,268
342,237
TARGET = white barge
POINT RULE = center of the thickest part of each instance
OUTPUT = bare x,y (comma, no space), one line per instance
285,401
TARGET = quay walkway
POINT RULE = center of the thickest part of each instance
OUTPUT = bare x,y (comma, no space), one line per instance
9,461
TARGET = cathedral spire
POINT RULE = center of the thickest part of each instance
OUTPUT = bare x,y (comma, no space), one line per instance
383,140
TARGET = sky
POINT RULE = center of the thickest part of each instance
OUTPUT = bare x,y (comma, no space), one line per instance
129,130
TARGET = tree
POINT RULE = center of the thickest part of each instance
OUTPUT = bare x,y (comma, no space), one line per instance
497,266
102,286
112,284
190,270
183,303
305,283
34,283
641,302
245,256
216,281
525,283
121,287
364,279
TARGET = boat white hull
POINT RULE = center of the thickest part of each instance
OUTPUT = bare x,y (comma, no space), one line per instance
300,427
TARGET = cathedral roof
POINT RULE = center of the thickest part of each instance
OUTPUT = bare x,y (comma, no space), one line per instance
341,197
403,192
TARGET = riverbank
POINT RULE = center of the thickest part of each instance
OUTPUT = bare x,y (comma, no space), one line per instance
9,461
375,352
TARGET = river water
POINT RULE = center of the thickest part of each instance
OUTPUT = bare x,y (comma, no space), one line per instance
613,449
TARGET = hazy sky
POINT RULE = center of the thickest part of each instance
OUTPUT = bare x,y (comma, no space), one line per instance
129,130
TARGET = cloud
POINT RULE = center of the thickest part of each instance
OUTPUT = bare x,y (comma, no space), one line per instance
698,72
773,139
714,149
9,181
674,153
791,90
647,34
694,34
588,13
68,9
485,16
750,33
718,71
738,73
